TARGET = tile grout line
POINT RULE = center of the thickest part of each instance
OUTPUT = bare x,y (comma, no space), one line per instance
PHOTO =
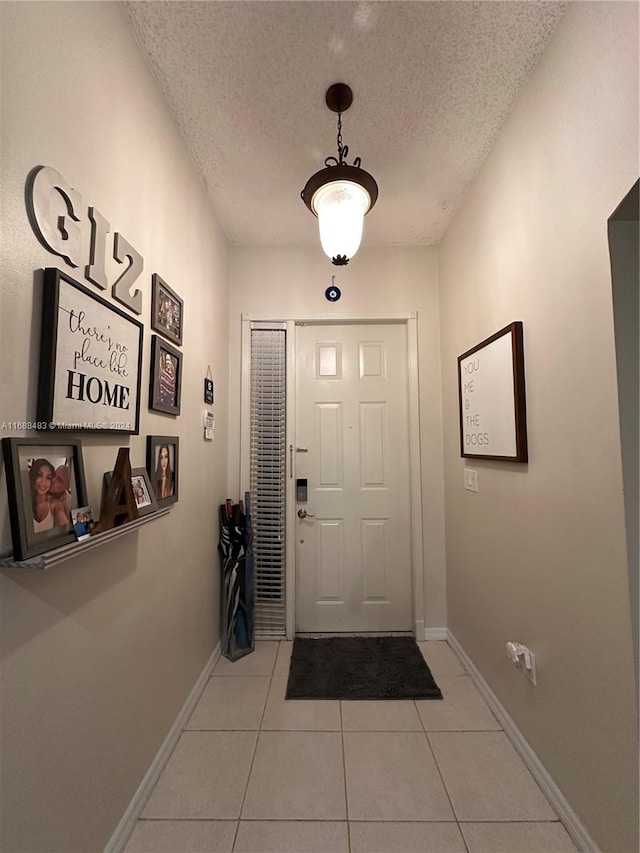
255,749
344,772
426,734
180,819
435,760
444,785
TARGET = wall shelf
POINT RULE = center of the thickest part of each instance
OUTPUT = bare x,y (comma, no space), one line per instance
73,549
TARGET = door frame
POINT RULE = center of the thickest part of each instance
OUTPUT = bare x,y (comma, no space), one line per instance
410,320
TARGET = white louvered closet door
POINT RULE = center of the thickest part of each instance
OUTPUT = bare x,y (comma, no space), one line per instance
267,475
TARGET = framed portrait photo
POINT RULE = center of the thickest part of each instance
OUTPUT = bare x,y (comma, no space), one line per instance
166,310
163,467
45,480
165,377
90,361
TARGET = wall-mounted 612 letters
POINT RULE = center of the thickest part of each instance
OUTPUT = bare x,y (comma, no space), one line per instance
55,210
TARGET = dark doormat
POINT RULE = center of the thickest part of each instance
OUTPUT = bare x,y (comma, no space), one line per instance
359,668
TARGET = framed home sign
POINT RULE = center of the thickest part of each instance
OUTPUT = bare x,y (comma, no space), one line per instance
45,480
90,361
491,395
166,310
165,377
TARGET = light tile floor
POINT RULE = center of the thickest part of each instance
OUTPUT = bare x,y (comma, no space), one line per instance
255,773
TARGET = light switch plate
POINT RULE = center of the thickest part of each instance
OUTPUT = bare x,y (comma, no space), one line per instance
471,479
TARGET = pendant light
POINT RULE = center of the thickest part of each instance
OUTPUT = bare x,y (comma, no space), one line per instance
340,195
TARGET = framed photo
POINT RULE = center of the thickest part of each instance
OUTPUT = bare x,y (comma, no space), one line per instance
142,491
163,466
166,310
83,522
45,479
90,361
491,392
165,381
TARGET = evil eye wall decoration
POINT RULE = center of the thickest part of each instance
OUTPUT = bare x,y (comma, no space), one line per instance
333,293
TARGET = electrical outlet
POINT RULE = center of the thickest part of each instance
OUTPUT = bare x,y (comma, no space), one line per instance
471,479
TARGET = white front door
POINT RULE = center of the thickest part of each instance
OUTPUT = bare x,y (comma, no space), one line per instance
353,548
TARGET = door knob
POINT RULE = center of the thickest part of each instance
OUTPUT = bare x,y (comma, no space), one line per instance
302,513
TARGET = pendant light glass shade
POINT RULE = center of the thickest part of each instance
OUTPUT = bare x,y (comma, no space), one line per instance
340,195
341,207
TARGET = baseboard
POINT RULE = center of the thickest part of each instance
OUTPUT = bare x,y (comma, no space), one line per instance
124,829
554,795
435,633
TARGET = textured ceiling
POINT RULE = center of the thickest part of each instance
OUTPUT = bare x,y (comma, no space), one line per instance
432,84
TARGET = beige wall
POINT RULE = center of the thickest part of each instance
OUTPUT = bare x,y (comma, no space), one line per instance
538,555
100,653
279,283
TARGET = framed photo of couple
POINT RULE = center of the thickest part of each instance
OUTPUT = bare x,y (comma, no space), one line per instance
45,480
141,488
163,467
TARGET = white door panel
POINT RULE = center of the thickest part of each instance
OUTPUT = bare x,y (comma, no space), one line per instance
354,557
